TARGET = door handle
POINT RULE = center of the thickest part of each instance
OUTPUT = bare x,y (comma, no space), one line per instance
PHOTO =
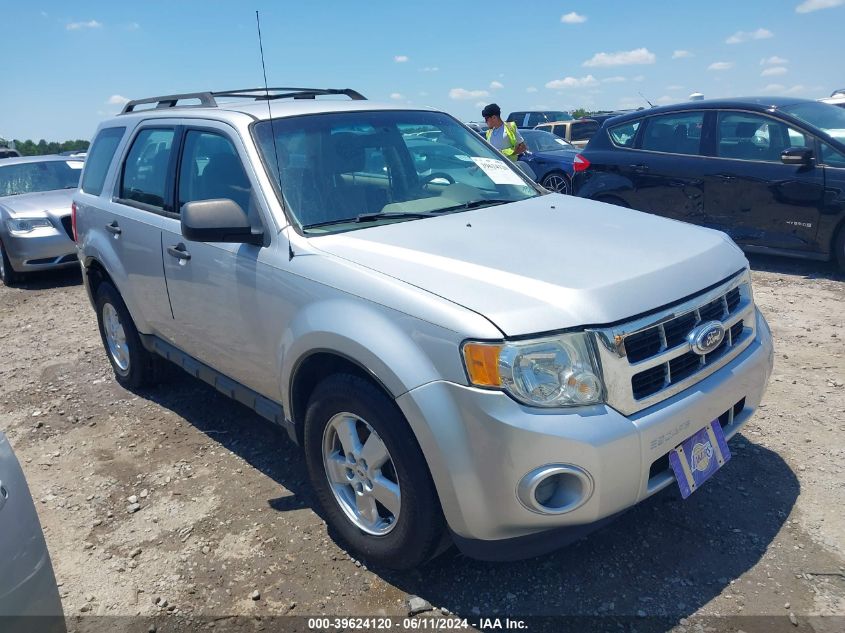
640,169
179,252
114,229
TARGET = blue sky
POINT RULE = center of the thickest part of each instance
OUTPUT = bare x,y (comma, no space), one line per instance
67,66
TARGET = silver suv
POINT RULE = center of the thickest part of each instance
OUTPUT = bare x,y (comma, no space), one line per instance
463,356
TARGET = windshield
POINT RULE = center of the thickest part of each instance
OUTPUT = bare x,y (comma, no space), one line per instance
824,116
39,176
341,169
557,116
539,141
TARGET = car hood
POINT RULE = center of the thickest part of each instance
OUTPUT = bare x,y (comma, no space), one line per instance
52,203
547,263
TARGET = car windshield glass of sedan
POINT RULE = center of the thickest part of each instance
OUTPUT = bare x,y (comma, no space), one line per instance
540,141
39,176
825,117
339,170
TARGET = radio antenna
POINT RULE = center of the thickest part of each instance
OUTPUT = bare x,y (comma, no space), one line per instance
646,100
272,130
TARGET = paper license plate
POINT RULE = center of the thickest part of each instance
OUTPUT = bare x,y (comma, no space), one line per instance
698,457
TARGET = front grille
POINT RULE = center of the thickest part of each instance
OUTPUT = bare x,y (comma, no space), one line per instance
651,358
67,223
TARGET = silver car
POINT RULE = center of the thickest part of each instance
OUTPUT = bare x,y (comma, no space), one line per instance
29,597
35,214
467,360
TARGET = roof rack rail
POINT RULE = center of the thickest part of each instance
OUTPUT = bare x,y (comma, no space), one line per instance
207,99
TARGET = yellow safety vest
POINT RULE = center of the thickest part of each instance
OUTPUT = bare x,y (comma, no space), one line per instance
510,132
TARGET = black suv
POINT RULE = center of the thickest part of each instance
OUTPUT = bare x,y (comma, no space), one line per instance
769,172
529,119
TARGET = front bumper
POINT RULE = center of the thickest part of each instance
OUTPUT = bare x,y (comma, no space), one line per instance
480,444
42,249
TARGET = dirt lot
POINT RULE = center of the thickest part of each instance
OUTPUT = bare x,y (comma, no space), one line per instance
225,509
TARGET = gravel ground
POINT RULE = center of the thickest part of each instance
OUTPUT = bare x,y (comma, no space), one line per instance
223,523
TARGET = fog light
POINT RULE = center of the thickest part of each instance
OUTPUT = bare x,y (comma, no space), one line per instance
555,489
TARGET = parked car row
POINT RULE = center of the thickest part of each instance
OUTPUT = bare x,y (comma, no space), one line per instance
769,172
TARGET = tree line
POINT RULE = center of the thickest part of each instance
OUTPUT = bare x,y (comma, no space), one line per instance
42,147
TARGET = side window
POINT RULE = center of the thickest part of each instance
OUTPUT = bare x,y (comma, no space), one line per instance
535,118
145,170
517,117
211,169
99,158
748,136
584,131
624,134
831,157
678,133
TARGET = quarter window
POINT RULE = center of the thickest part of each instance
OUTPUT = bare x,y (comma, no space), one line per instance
747,136
145,170
99,158
831,157
678,133
624,134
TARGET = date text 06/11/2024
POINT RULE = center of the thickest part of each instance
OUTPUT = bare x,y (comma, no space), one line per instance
414,624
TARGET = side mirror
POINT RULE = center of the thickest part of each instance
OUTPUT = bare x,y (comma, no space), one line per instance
798,156
220,220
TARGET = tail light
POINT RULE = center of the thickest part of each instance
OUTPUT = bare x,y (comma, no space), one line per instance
580,163
73,222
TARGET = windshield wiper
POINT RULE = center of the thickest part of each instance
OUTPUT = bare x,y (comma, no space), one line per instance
473,204
368,217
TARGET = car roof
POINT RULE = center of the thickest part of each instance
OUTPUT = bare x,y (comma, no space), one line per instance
17,160
757,104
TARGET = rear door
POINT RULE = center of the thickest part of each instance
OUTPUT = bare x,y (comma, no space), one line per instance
751,195
667,169
223,295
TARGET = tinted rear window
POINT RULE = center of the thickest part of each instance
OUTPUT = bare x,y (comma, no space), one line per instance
677,133
584,131
99,158
624,134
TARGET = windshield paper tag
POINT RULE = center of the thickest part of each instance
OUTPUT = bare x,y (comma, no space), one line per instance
74,164
498,171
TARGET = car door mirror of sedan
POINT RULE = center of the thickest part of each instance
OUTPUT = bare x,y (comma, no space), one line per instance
219,220
799,156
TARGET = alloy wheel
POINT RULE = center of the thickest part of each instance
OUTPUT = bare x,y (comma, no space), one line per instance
115,337
361,474
556,183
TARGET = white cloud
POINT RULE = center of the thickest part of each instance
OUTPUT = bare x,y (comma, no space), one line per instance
573,18
681,54
400,59
666,100
613,80
117,100
774,88
572,82
622,58
674,87
531,89
774,70
429,69
461,94
746,36
396,96
808,6
720,66
75,26
495,85
773,61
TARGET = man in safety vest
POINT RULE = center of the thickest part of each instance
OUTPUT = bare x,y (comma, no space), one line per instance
505,137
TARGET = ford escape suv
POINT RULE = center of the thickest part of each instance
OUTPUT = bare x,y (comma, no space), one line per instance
464,357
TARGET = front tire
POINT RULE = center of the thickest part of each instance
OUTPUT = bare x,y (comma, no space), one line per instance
134,367
8,275
369,474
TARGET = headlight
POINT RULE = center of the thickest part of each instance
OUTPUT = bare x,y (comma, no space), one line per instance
27,225
559,371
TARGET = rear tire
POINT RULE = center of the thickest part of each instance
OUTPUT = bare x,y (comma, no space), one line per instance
348,423
134,367
558,182
8,275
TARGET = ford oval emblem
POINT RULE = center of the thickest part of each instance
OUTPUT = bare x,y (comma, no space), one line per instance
706,337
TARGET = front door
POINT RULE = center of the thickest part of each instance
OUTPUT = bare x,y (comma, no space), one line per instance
224,297
751,195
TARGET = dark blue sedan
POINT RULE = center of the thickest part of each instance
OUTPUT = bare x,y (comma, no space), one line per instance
551,158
